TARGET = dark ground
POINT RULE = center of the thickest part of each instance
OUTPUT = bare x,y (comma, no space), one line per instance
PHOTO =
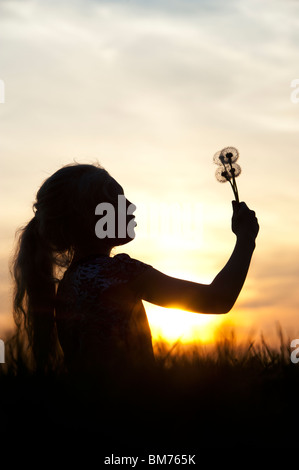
232,397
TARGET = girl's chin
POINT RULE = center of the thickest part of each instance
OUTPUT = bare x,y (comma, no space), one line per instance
122,241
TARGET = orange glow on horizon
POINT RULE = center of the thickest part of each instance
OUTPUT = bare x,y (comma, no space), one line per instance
171,325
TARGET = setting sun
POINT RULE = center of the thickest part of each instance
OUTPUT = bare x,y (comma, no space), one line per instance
178,325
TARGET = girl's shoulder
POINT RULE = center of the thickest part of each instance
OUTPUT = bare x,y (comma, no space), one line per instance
120,266
130,267
126,260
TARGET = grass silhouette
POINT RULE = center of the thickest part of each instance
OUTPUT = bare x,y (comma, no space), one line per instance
229,395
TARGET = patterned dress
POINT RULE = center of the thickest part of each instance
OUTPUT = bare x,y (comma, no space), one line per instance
101,320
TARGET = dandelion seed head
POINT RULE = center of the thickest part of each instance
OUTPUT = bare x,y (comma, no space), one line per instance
226,155
225,172
236,169
221,175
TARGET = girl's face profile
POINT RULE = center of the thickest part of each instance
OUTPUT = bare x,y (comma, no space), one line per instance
124,209
114,189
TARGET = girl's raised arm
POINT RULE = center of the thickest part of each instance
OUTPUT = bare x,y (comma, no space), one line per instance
217,297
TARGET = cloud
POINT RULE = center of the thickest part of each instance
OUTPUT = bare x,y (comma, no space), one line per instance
273,280
126,59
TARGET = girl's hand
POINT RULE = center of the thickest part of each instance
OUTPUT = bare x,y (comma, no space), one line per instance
244,222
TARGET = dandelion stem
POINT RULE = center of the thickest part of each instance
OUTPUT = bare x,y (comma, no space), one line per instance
233,184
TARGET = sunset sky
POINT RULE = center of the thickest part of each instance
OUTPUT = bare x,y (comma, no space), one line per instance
151,90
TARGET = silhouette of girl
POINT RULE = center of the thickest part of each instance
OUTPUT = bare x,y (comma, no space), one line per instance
71,293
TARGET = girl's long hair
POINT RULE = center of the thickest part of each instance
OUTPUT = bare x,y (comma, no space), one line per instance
64,218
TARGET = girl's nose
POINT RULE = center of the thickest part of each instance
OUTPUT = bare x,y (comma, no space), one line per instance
131,206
